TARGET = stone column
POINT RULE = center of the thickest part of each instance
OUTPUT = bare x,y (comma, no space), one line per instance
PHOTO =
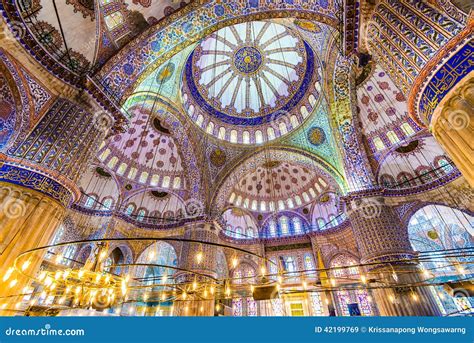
38,182
383,241
28,220
452,125
204,306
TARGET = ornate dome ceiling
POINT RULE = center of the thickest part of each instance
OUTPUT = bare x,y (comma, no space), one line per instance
147,153
278,185
252,82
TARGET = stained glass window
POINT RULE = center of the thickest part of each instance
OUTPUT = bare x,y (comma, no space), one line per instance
297,226
251,307
237,307
114,20
316,304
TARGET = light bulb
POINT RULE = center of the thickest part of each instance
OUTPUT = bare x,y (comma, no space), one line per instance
163,296
235,262
68,289
205,293
25,290
252,288
66,274
151,255
57,275
164,278
195,285
17,305
184,295
32,302
441,295
263,270
58,259
391,298
414,296
102,255
201,309
227,291
333,282
8,273
25,265
97,278
42,275
107,278
218,307
363,279
127,278
461,270
145,297
124,287
13,283
199,257
305,285
211,290
61,300
280,279
81,273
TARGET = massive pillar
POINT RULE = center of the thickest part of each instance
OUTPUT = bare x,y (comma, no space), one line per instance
201,259
384,245
427,51
38,178
452,124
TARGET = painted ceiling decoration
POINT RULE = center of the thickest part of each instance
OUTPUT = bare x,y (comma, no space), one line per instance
260,77
254,142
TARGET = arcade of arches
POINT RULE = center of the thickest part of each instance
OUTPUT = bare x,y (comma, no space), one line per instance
236,158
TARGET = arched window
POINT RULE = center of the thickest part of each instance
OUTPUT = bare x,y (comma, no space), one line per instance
407,129
141,215
321,224
284,227
272,230
297,226
90,201
246,137
378,143
130,209
392,137
258,137
107,204
440,228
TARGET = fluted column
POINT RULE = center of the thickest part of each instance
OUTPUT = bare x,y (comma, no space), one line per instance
28,220
383,241
452,125
38,181
205,265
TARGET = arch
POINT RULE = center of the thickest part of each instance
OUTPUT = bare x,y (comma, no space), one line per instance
251,162
122,83
438,228
161,253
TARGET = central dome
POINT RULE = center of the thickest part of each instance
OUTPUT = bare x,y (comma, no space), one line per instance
252,76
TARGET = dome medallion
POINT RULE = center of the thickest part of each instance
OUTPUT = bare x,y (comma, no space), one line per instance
247,60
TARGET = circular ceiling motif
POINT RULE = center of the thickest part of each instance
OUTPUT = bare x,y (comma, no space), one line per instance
316,136
217,157
265,71
247,59
252,76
